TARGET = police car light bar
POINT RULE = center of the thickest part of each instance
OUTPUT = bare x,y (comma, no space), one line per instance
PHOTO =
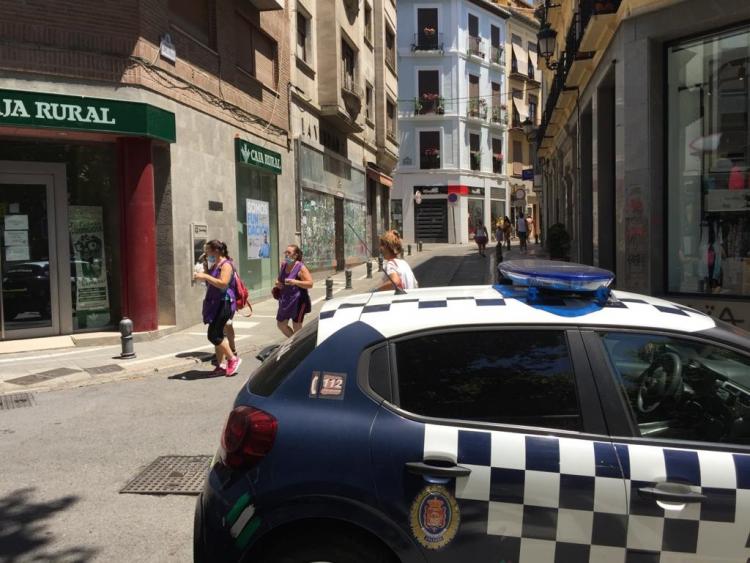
557,276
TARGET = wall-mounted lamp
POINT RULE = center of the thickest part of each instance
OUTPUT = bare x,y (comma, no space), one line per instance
547,39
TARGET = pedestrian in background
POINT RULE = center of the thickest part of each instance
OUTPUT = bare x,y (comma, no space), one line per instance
480,237
219,304
398,273
507,231
522,230
291,289
499,240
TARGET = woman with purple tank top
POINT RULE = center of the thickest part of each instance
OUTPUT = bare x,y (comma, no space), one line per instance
220,304
293,282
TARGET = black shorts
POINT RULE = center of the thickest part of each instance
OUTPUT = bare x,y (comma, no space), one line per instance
216,328
522,236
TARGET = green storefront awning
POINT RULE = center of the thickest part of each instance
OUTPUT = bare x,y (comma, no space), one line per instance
55,111
254,155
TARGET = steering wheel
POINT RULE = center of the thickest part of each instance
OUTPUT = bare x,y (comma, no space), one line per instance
661,381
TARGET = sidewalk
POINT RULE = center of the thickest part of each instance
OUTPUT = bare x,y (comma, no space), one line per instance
181,351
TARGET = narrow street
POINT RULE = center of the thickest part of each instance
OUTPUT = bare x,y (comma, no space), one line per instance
66,458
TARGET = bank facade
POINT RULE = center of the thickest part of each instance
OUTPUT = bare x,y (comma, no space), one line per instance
644,146
119,162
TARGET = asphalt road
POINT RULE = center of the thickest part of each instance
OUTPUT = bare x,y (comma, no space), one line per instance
64,459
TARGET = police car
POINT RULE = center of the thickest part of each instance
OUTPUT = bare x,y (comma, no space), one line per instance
545,419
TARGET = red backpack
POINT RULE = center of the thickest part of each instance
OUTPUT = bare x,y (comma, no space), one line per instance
242,295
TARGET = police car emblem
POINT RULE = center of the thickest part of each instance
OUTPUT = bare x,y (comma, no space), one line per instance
435,517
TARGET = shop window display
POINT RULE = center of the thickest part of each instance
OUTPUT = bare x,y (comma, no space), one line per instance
709,164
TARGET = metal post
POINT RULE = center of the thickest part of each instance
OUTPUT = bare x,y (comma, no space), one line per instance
369,270
329,289
348,277
408,249
380,263
126,339
419,246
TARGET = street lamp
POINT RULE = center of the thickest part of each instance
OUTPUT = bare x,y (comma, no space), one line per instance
528,127
547,38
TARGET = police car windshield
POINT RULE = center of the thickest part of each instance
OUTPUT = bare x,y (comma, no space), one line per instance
275,369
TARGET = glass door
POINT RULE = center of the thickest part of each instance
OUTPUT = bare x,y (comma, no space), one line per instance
28,289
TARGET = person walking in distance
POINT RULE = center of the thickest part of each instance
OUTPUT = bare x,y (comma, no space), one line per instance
291,290
480,237
219,304
499,242
398,273
522,230
507,228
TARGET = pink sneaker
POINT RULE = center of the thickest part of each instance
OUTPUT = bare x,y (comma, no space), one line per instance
232,366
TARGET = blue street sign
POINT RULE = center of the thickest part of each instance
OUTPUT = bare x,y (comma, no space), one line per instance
527,174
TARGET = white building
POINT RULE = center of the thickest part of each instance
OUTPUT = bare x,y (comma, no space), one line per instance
451,118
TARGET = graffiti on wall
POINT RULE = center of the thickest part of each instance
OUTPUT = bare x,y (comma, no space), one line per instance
636,240
355,231
318,230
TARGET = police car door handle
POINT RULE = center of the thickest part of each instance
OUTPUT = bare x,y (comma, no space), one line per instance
428,468
673,494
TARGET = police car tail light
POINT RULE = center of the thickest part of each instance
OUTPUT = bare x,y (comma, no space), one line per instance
248,436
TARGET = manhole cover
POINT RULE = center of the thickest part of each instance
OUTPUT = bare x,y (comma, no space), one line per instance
171,475
42,376
100,370
16,401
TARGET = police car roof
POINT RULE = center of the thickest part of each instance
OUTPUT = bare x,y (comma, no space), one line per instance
423,309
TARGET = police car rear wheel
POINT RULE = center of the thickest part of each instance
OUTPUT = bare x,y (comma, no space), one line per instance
317,547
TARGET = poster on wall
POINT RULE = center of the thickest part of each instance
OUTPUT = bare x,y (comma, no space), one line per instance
87,241
258,229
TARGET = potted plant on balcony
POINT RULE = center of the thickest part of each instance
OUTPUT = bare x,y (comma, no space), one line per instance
498,157
432,153
476,160
428,31
417,106
440,109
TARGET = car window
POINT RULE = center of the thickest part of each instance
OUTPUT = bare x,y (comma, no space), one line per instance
274,370
683,389
522,377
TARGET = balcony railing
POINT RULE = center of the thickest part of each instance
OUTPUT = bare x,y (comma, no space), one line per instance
475,46
476,108
349,85
475,160
496,55
430,158
427,42
429,103
499,116
497,164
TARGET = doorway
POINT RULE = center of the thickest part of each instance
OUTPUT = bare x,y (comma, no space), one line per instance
431,220
35,292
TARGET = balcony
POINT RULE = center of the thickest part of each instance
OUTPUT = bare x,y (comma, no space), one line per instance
476,109
497,163
430,158
429,103
499,116
598,18
475,47
496,55
425,41
475,160
346,118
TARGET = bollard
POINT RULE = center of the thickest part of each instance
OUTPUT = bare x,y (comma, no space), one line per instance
369,270
408,249
329,289
126,339
380,263
348,277
419,246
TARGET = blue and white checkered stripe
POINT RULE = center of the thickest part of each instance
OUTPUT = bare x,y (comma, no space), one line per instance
559,499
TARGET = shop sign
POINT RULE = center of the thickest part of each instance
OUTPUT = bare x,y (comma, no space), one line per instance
31,109
527,174
248,153
476,191
87,240
431,190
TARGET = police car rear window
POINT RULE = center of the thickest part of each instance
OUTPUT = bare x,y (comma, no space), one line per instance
522,377
275,369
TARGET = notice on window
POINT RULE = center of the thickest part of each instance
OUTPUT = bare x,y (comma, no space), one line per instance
87,240
258,229
16,222
16,238
16,253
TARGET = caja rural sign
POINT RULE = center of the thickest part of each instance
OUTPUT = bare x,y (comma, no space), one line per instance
54,111
248,153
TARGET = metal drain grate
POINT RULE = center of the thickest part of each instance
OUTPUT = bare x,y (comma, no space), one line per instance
171,475
16,401
101,370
